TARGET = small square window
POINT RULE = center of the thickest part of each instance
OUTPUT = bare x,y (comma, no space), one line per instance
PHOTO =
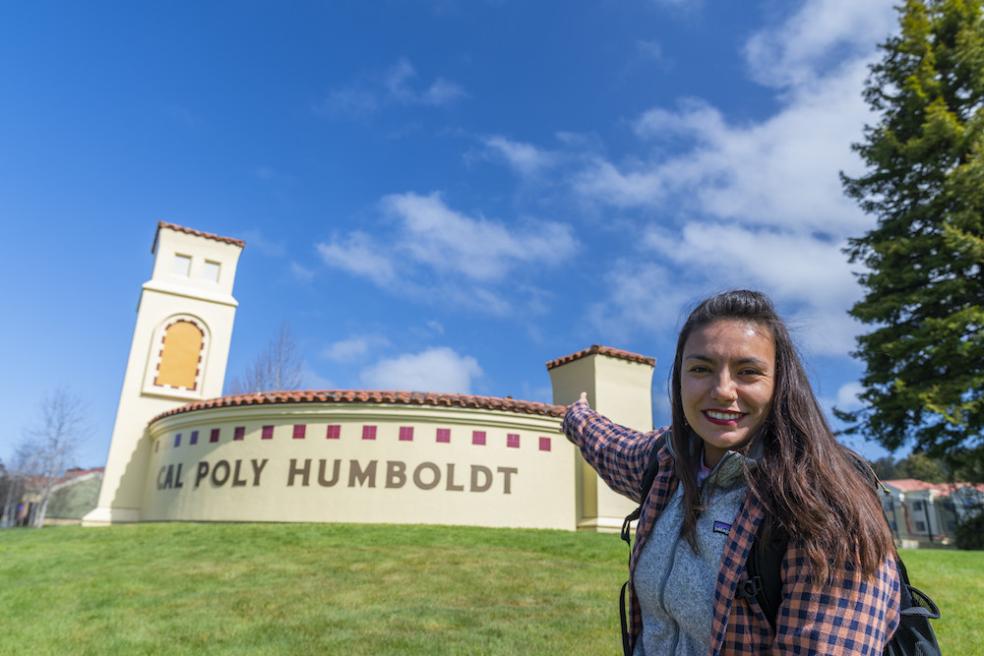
239,434
181,265
300,430
214,435
444,435
333,432
368,432
920,527
406,433
211,271
512,440
177,440
267,433
194,438
544,444
478,437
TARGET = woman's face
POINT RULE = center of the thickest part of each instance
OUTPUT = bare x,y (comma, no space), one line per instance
727,378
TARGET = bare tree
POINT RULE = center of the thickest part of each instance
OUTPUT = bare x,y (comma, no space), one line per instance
49,445
278,367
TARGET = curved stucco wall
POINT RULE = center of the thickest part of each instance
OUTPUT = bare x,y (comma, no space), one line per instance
213,464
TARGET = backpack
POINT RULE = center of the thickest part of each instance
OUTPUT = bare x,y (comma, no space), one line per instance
914,635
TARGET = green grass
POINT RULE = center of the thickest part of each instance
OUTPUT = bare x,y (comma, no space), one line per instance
344,589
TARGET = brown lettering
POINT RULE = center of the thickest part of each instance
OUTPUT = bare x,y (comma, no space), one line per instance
436,476
396,475
359,475
334,473
304,471
506,482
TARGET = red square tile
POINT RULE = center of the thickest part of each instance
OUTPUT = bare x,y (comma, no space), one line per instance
333,432
368,432
239,434
512,440
267,433
406,433
444,435
544,444
300,430
478,437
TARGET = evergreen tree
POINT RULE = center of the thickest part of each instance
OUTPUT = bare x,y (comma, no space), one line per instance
924,260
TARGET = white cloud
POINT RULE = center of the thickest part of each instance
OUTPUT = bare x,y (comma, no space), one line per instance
753,204
358,254
438,369
450,242
819,33
398,85
353,348
524,158
641,297
847,396
791,265
301,272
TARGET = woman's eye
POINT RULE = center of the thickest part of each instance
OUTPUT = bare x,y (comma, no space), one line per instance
749,372
699,369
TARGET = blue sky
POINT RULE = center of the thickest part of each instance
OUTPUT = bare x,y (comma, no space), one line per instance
435,195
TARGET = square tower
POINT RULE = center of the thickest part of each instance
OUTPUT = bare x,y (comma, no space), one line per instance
619,385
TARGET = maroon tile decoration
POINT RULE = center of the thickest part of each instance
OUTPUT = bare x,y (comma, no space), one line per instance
544,443
300,430
368,432
214,435
406,433
239,434
444,435
478,437
512,440
194,438
333,431
177,440
267,433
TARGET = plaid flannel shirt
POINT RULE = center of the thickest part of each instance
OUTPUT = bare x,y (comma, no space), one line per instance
850,615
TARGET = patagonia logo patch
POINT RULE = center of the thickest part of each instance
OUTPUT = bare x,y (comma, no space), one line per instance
722,527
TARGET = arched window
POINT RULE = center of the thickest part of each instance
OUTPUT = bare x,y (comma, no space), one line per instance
181,355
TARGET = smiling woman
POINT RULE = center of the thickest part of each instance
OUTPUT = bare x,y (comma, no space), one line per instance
749,459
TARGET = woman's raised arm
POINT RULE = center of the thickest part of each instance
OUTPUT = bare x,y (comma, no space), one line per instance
619,454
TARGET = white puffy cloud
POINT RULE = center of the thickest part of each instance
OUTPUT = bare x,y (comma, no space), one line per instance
847,396
448,241
439,369
353,348
524,158
358,254
759,203
819,32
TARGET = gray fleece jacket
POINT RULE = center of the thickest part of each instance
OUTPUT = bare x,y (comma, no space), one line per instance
674,585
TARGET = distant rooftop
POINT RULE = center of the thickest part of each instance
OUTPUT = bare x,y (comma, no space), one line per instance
598,349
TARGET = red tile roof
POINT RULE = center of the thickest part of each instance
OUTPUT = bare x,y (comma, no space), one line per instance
910,484
164,225
597,349
373,396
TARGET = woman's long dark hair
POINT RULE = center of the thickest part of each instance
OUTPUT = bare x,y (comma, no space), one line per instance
807,482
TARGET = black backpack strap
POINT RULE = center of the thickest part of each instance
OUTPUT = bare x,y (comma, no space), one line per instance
764,571
647,483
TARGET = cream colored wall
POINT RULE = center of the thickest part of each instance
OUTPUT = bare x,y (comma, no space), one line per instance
622,391
540,494
164,296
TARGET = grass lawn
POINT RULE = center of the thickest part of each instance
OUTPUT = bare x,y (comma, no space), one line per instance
344,589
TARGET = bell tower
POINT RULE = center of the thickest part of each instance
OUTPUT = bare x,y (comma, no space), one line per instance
178,354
